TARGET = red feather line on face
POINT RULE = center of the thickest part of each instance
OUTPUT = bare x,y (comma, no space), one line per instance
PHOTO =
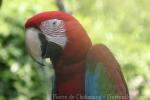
50,29
75,48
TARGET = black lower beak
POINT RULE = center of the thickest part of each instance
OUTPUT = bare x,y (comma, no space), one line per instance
50,49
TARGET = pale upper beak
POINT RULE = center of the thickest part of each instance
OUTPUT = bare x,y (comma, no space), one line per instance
33,44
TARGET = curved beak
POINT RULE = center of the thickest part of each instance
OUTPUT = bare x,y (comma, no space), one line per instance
39,48
33,44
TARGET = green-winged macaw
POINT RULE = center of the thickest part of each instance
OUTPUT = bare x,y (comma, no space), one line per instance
82,71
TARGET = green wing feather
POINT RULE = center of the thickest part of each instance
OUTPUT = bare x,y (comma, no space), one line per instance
103,75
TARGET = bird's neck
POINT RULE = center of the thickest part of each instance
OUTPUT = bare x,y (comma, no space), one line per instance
69,81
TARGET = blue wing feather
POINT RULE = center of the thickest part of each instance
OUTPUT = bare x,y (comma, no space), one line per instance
92,86
103,77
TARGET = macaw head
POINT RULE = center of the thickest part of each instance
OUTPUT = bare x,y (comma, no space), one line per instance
56,35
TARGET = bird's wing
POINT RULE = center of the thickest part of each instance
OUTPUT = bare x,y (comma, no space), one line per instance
104,79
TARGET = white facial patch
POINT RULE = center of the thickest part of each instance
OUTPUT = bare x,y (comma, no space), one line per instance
58,40
54,31
33,44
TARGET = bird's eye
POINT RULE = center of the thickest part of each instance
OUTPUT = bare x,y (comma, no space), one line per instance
54,23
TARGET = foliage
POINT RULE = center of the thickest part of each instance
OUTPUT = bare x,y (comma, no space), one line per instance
1,2
124,26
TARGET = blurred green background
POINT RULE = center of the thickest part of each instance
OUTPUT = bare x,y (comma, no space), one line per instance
123,25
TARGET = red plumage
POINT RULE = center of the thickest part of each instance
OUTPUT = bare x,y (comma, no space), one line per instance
80,62
70,69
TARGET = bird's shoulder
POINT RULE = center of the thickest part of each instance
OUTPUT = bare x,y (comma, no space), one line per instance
101,52
102,64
